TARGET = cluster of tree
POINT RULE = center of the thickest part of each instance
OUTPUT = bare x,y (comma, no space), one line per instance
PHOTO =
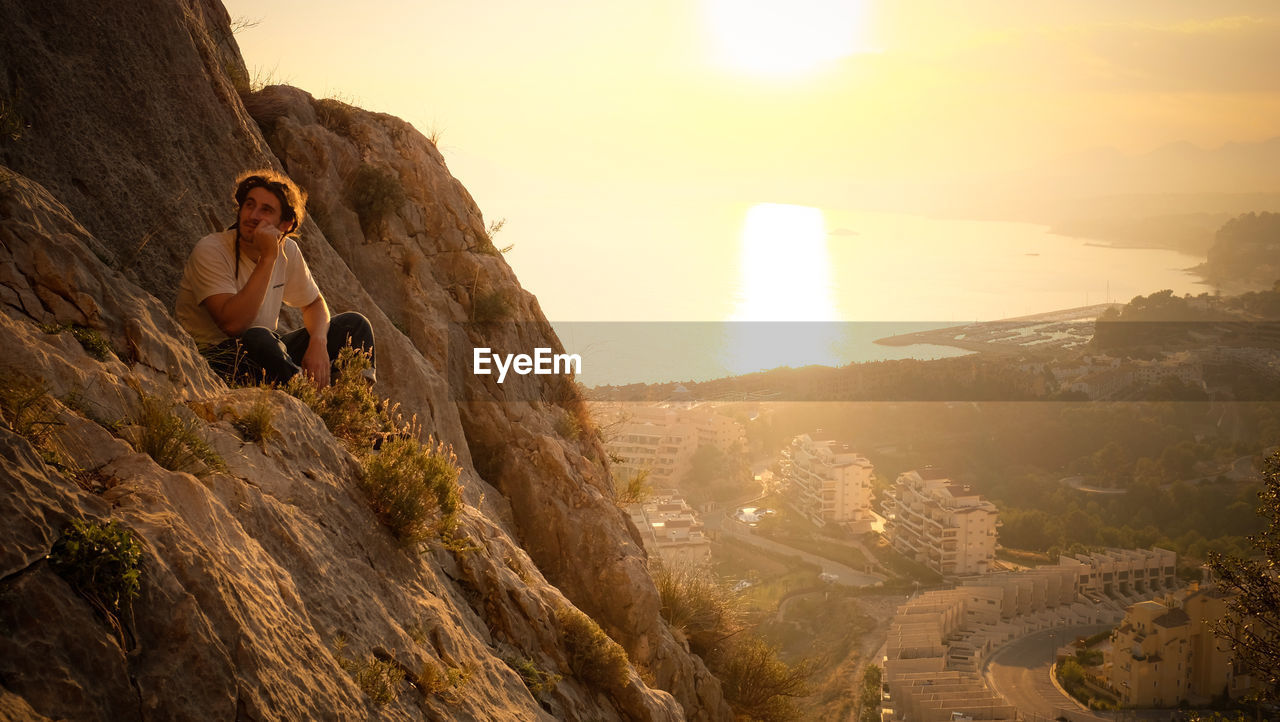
1260,305
869,695
1246,248
1149,326
716,476
1253,628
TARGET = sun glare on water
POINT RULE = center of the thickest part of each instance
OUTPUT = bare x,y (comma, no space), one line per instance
787,37
785,280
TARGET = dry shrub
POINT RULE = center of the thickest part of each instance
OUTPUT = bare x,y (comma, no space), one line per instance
442,681
757,684
374,193
491,307
697,604
378,678
172,440
337,116
255,425
413,489
348,406
593,656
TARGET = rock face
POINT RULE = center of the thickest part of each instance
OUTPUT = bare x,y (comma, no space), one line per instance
265,585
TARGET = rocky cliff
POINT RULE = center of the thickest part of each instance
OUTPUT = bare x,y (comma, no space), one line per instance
268,588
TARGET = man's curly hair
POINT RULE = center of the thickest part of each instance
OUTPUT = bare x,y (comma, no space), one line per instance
293,200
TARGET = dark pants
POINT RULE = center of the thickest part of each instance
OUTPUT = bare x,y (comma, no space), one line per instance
260,354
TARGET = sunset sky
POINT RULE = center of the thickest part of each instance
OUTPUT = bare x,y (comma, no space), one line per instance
590,125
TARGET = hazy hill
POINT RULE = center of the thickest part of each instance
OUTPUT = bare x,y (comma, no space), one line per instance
1176,196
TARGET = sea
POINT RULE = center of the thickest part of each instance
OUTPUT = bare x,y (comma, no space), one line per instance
798,285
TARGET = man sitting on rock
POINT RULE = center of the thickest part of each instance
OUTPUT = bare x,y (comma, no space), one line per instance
235,280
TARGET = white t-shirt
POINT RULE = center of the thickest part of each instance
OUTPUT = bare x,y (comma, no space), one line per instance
210,270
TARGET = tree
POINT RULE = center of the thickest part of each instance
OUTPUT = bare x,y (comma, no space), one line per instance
1254,627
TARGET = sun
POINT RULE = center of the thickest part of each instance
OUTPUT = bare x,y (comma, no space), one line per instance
784,37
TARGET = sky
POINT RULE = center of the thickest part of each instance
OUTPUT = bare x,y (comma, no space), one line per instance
601,130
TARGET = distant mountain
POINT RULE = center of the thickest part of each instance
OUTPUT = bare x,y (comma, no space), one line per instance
1176,196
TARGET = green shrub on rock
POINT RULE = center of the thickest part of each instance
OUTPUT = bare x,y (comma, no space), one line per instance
101,561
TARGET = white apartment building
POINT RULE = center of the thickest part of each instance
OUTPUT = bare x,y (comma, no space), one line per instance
830,484
941,523
671,530
662,438
665,452
710,427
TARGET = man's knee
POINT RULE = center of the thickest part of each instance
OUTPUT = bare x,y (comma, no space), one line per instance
258,337
353,329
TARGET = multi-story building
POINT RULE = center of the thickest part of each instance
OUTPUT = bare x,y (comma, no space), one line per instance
1161,656
709,426
671,530
941,523
1123,572
665,453
830,484
663,438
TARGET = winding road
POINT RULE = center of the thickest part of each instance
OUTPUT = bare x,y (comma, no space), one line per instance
1020,673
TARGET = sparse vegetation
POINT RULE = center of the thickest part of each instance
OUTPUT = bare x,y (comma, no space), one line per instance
12,124
374,193
757,684
693,601
593,656
417,631
101,561
239,77
413,488
174,442
634,489
870,695
348,406
24,409
378,678
1075,679
486,244
337,116
491,307
520,571
442,680
91,340
255,425
536,679
566,393
569,426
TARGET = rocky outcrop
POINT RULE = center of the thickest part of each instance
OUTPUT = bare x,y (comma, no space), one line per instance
260,581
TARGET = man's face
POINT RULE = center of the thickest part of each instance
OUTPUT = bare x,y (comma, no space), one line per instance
260,206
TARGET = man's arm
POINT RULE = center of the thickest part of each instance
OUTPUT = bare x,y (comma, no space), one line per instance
234,312
315,362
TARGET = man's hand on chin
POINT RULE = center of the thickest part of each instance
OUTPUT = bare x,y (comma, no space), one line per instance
268,239
315,364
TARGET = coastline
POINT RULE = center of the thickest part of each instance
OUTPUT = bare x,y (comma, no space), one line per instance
1058,330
